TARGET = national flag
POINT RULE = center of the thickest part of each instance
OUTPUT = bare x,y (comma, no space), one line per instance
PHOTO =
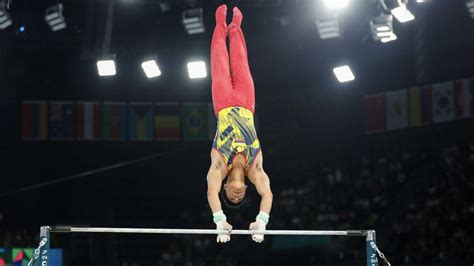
167,121
211,121
114,121
22,256
443,102
88,119
5,257
195,124
140,121
34,120
463,98
397,109
61,120
375,113
420,102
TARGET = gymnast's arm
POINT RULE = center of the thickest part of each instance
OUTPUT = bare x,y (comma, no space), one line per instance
262,184
214,183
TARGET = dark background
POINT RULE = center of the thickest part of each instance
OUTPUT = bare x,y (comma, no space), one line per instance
413,186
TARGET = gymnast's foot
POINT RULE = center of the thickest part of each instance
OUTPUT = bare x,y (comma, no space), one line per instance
221,15
237,18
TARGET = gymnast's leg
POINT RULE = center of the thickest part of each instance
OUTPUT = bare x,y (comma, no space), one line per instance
241,76
220,69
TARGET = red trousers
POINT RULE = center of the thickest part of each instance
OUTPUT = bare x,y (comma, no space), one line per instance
232,83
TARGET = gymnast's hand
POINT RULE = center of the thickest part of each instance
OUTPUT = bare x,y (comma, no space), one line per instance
259,225
222,225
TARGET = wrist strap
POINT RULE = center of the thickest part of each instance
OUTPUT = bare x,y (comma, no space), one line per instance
219,216
263,216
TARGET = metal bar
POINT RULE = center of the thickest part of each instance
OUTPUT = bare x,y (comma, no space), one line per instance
71,229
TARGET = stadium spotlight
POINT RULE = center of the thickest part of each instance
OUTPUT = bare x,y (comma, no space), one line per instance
54,17
151,68
197,70
343,73
328,27
381,27
470,7
106,66
193,21
336,4
391,37
401,13
5,19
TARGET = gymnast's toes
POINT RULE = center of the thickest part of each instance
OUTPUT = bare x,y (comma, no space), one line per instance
237,18
221,14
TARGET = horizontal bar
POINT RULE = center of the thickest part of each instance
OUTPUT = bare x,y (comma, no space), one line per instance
71,229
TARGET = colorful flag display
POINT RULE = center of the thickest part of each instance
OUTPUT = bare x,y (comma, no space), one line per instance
463,98
195,124
34,120
420,106
88,119
22,256
397,109
5,257
375,113
114,121
140,121
61,120
167,121
443,102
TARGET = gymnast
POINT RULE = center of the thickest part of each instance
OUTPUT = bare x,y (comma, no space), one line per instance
236,151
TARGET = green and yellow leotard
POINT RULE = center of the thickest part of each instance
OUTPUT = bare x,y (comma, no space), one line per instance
236,134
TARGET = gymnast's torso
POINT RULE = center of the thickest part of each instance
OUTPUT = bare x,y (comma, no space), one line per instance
236,135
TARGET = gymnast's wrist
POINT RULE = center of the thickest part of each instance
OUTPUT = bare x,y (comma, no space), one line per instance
219,216
263,217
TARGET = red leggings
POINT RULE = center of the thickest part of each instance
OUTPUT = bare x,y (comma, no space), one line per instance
232,84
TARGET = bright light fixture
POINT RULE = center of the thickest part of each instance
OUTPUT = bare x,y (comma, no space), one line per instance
197,70
54,17
106,67
402,14
5,19
343,73
382,28
151,69
389,38
336,4
328,27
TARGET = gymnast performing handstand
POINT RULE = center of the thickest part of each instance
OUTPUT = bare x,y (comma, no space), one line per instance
236,151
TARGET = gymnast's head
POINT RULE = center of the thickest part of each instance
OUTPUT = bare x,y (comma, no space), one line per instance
233,192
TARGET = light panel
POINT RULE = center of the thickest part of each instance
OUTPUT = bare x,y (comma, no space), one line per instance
402,14
106,67
197,70
5,19
343,74
328,27
336,4
54,17
151,69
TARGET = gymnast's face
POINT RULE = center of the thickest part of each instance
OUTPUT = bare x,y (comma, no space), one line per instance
235,190
235,187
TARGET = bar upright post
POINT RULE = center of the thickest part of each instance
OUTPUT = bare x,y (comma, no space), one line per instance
372,259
